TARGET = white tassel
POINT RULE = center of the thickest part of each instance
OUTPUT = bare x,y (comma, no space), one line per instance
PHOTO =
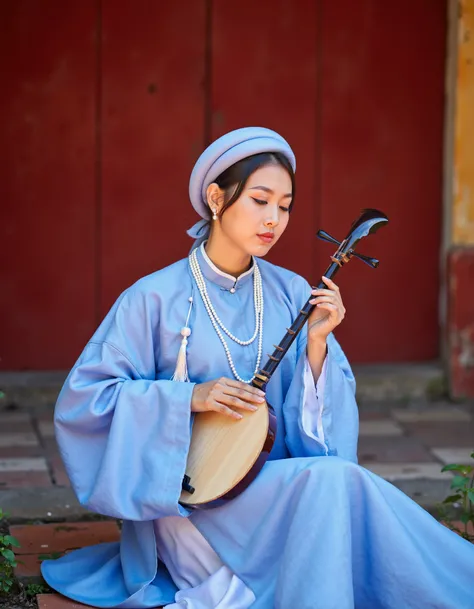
181,371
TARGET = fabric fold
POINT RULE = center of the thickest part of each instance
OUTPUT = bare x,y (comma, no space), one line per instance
106,407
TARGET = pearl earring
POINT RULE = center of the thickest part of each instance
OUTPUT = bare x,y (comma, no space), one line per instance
214,217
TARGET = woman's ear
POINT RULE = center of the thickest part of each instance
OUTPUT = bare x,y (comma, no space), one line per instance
215,197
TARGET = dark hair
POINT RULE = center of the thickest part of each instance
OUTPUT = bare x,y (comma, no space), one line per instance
235,177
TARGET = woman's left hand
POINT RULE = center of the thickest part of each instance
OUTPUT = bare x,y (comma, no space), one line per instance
328,313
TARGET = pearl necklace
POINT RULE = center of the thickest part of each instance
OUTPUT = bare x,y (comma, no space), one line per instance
217,323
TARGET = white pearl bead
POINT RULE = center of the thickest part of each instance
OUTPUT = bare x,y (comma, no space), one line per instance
210,309
185,331
258,305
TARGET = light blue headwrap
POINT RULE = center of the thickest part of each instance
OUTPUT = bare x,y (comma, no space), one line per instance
221,154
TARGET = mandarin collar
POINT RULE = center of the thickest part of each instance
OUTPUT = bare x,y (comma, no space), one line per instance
224,280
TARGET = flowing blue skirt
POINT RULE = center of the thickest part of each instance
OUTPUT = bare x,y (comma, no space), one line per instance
325,533
309,533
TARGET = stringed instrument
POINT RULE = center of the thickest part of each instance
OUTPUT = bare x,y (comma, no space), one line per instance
226,455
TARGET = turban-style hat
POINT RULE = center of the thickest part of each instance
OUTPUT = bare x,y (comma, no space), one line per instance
219,156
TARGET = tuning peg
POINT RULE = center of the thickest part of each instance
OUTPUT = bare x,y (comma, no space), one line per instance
322,234
373,262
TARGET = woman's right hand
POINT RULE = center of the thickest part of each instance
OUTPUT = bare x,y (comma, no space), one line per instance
224,395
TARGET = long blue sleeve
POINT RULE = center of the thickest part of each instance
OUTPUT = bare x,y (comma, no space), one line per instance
123,435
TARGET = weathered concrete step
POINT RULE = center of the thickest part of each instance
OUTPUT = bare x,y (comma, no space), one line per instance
30,389
375,382
402,383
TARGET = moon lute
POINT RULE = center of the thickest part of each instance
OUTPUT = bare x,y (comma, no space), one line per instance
226,455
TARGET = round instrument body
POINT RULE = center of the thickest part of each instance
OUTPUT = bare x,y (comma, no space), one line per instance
225,454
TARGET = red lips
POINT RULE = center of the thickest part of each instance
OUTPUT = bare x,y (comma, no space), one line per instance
266,237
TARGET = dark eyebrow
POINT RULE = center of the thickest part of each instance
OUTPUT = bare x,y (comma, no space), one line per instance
269,190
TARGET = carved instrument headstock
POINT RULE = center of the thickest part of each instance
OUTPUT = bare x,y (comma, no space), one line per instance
368,222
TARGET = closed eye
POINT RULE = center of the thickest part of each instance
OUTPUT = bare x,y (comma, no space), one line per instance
262,202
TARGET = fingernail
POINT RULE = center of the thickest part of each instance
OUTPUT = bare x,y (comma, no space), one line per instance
260,399
262,393
238,416
253,407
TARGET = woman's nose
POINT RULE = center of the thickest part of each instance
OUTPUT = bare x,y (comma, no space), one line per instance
273,218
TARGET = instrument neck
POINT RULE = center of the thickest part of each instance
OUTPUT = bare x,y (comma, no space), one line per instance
263,376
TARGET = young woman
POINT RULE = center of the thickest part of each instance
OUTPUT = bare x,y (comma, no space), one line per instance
314,530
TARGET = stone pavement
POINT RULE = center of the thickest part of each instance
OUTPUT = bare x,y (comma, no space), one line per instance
408,445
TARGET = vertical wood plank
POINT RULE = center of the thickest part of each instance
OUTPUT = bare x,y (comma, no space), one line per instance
382,119
47,182
152,132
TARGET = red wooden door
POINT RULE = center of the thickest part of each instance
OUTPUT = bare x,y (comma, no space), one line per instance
382,146
110,103
47,182
152,106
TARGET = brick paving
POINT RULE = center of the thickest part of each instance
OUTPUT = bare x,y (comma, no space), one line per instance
53,540
55,601
407,446
28,451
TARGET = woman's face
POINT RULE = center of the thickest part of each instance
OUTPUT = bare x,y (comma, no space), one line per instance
258,218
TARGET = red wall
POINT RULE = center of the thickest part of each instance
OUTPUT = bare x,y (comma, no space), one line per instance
109,104
382,125
48,230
